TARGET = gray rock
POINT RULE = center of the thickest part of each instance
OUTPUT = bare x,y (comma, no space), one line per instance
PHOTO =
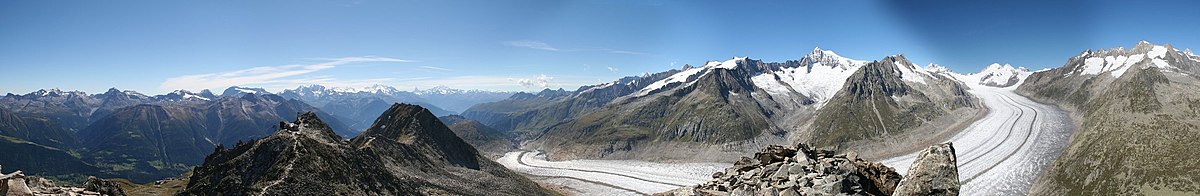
935,172
780,170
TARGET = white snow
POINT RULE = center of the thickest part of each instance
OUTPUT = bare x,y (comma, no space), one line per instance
1092,66
1158,52
1161,64
640,176
768,83
245,90
908,72
682,76
601,86
997,74
1121,64
819,81
1002,153
731,63
191,96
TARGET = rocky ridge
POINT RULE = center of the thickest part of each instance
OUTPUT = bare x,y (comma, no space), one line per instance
1137,111
407,151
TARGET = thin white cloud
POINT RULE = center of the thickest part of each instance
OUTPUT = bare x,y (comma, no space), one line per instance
531,44
628,52
435,68
264,76
613,69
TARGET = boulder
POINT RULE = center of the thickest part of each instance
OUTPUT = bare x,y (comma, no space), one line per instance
102,186
15,185
935,172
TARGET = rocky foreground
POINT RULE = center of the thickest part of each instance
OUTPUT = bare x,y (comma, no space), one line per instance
17,184
800,170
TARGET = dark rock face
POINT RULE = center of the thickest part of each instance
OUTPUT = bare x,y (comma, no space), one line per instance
935,172
486,139
779,170
406,152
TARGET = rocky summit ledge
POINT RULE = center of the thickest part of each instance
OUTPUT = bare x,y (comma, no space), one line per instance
801,170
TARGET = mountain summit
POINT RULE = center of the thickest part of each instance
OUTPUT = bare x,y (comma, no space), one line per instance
406,152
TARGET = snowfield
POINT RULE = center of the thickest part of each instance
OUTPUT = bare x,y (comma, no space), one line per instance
611,177
1004,152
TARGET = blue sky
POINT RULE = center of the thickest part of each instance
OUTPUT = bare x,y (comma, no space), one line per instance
157,46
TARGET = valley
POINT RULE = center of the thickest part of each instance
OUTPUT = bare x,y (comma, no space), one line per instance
1006,150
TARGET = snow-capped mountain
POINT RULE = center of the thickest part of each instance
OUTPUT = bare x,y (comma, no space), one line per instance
237,91
730,102
184,95
1119,60
999,75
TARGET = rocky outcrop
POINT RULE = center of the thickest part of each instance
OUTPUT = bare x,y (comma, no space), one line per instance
17,184
934,173
779,170
103,186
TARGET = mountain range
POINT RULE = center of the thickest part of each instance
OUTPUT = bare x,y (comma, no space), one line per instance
132,135
740,103
407,151
1136,112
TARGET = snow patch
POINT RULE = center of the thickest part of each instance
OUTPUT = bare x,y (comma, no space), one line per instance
682,76
1158,52
1161,64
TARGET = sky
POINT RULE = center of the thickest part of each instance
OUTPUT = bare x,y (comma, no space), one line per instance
156,47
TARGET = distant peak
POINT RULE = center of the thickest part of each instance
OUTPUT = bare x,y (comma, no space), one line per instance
829,58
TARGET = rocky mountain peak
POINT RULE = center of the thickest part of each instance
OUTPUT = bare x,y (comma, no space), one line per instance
998,75
308,124
820,57
305,158
380,89
1117,61
55,92
416,127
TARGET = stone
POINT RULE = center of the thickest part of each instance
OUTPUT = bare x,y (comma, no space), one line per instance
935,172
778,170
103,186
16,186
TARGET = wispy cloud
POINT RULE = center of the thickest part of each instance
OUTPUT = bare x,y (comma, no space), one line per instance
435,68
531,44
266,75
542,80
613,69
627,52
